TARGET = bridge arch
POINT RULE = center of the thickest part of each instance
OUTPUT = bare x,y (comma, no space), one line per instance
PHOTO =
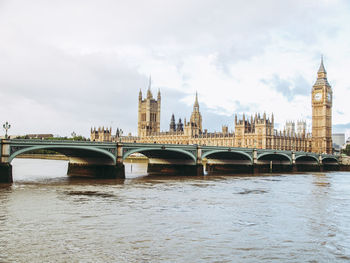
306,158
63,150
158,152
275,156
330,160
239,153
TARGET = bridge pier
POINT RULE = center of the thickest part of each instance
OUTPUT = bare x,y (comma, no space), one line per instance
307,168
275,168
228,168
96,170
175,169
6,173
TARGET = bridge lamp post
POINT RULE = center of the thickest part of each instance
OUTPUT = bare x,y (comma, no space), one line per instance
6,126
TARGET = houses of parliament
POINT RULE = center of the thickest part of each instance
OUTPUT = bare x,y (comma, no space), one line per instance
250,131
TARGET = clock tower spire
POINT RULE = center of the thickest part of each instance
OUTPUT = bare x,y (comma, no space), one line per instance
322,113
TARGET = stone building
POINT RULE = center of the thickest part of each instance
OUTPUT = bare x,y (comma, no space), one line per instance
148,113
256,131
101,134
322,97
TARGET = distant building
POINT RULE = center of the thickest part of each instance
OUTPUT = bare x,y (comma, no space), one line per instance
301,127
148,113
338,140
101,134
291,129
255,131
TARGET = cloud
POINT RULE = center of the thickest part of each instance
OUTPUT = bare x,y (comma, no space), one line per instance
289,88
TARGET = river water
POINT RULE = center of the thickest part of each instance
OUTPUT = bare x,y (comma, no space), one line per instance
47,217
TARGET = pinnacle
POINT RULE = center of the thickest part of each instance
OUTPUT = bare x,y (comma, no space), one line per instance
321,69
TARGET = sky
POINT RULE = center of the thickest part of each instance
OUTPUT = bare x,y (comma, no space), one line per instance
69,65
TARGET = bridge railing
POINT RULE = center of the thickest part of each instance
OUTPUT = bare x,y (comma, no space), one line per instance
27,141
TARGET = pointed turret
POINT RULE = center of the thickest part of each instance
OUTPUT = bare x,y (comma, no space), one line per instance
196,104
149,93
172,123
140,95
322,69
179,126
196,117
158,97
322,75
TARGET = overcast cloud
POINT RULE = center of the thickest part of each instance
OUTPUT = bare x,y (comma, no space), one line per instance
68,65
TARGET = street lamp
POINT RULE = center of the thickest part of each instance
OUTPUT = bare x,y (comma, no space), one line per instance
6,126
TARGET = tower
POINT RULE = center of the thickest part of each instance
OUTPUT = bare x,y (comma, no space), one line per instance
179,126
172,126
290,127
148,113
322,113
301,127
196,117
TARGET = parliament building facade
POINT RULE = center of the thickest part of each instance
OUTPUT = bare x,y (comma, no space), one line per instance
250,131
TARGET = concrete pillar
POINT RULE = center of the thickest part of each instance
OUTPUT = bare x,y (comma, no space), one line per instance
255,156
221,168
294,167
4,151
293,158
96,170
321,168
175,169
6,173
320,162
119,153
5,166
255,168
199,165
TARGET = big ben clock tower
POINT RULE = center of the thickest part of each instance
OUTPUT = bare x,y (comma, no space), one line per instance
322,113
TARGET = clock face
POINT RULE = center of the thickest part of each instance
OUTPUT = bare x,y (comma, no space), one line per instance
318,96
329,96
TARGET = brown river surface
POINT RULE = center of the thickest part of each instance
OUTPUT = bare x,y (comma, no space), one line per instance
47,217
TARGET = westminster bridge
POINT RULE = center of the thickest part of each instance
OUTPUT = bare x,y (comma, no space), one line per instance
106,159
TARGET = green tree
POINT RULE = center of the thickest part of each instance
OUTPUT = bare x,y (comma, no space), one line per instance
346,150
